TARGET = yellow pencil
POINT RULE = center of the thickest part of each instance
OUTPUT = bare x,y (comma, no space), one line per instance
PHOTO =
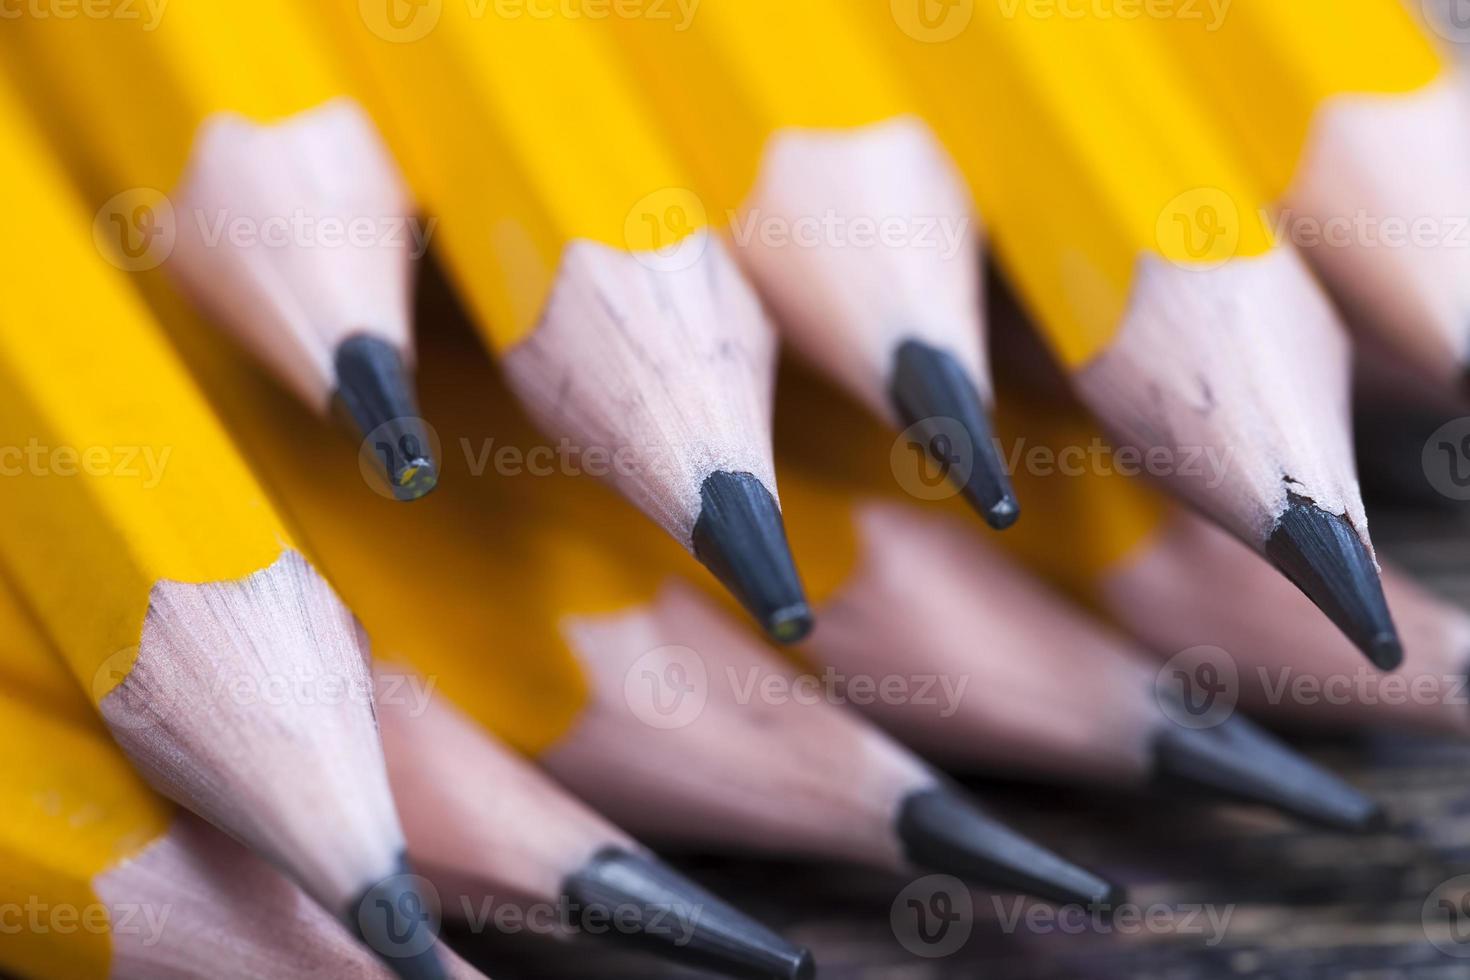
848,214
221,141
1134,233
618,317
158,567
107,879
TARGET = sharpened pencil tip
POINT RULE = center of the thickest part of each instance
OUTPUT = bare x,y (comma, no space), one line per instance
942,830
1003,513
675,918
1236,760
374,391
933,395
1324,557
393,920
741,538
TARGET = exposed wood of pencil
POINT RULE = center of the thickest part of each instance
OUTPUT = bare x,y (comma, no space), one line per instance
487,826
318,284
864,314
230,915
669,374
743,769
1244,370
1049,692
267,766
1185,586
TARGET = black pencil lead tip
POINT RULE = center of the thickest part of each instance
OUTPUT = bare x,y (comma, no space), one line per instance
741,538
675,918
1237,760
942,830
933,395
393,919
374,391
1324,557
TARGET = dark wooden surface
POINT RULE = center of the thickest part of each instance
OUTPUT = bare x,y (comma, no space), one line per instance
1303,903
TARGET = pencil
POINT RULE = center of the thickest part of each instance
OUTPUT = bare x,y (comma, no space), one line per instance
536,641
620,320
224,144
903,594
1131,229
1357,127
486,826
849,216
111,878
1175,582
156,564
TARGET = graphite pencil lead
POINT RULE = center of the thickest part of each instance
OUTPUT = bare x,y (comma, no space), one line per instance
943,831
741,538
1237,760
677,918
1324,557
932,393
393,920
374,390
